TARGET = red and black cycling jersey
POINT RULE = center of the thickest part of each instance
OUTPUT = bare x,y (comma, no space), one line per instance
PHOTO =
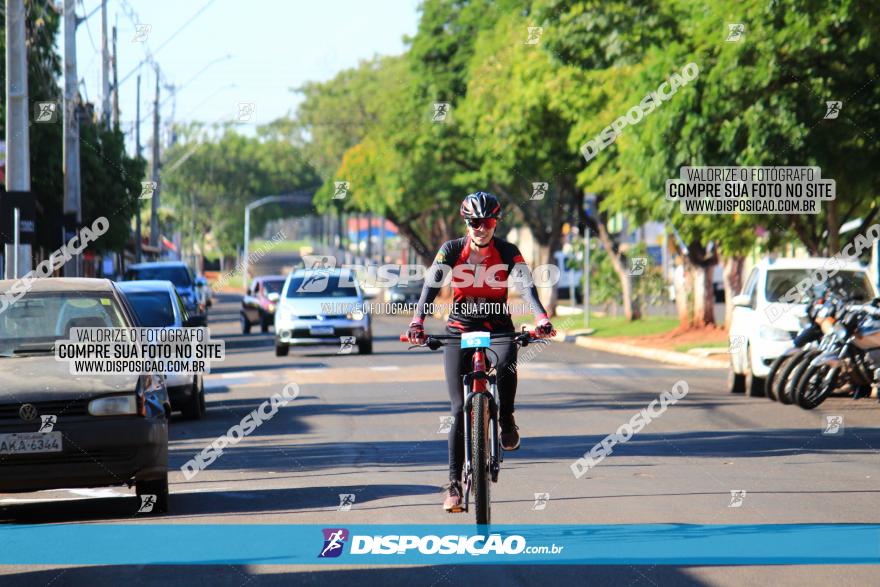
479,292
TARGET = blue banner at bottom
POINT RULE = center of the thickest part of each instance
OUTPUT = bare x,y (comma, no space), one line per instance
359,544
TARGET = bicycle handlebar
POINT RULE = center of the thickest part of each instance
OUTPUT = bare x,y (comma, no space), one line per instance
530,335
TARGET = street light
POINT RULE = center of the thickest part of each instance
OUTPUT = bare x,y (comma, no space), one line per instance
302,196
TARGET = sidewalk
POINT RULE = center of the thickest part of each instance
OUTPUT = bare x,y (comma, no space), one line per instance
699,358
661,355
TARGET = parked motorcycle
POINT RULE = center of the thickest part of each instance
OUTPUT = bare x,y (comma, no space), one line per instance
849,364
817,320
836,308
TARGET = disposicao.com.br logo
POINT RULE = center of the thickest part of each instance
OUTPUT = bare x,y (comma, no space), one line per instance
334,540
394,544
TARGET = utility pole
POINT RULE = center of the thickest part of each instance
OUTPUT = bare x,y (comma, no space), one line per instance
369,247
192,230
18,171
586,277
115,81
154,215
138,255
382,240
72,201
357,236
105,67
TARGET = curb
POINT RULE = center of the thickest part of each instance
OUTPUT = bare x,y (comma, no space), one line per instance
653,354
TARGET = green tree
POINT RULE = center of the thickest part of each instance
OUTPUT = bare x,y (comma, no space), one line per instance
110,179
214,178
408,166
110,183
756,102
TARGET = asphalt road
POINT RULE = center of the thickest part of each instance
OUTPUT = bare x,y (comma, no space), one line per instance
368,426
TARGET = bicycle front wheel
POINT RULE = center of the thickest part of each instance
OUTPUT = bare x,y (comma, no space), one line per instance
480,456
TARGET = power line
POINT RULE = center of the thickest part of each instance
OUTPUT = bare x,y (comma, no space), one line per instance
168,40
186,24
135,21
88,28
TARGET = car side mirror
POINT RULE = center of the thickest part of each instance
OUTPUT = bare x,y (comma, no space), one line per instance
744,300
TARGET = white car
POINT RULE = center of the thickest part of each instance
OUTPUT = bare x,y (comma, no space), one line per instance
157,304
762,326
322,307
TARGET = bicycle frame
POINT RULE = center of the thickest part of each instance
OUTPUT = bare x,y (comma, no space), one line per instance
479,381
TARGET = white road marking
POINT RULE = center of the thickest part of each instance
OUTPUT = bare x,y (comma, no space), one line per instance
237,374
93,493
97,492
214,384
385,368
41,500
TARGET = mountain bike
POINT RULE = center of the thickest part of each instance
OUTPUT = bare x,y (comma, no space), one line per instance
482,453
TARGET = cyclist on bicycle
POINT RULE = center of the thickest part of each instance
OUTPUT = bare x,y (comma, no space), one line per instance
482,266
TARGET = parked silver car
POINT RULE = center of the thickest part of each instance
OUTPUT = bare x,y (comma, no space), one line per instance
322,307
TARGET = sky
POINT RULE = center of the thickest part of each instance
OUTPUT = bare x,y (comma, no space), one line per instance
272,46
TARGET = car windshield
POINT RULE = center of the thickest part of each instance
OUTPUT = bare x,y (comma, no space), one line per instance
273,286
845,283
410,287
177,275
37,320
320,284
153,308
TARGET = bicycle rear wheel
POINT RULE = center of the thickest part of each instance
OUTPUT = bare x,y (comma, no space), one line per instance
480,457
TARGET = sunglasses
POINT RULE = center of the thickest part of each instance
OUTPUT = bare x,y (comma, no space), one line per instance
481,222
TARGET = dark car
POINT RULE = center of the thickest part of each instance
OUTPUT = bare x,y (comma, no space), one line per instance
180,275
258,304
107,430
157,305
406,294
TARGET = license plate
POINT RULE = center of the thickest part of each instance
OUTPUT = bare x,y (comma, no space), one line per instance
30,442
321,330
